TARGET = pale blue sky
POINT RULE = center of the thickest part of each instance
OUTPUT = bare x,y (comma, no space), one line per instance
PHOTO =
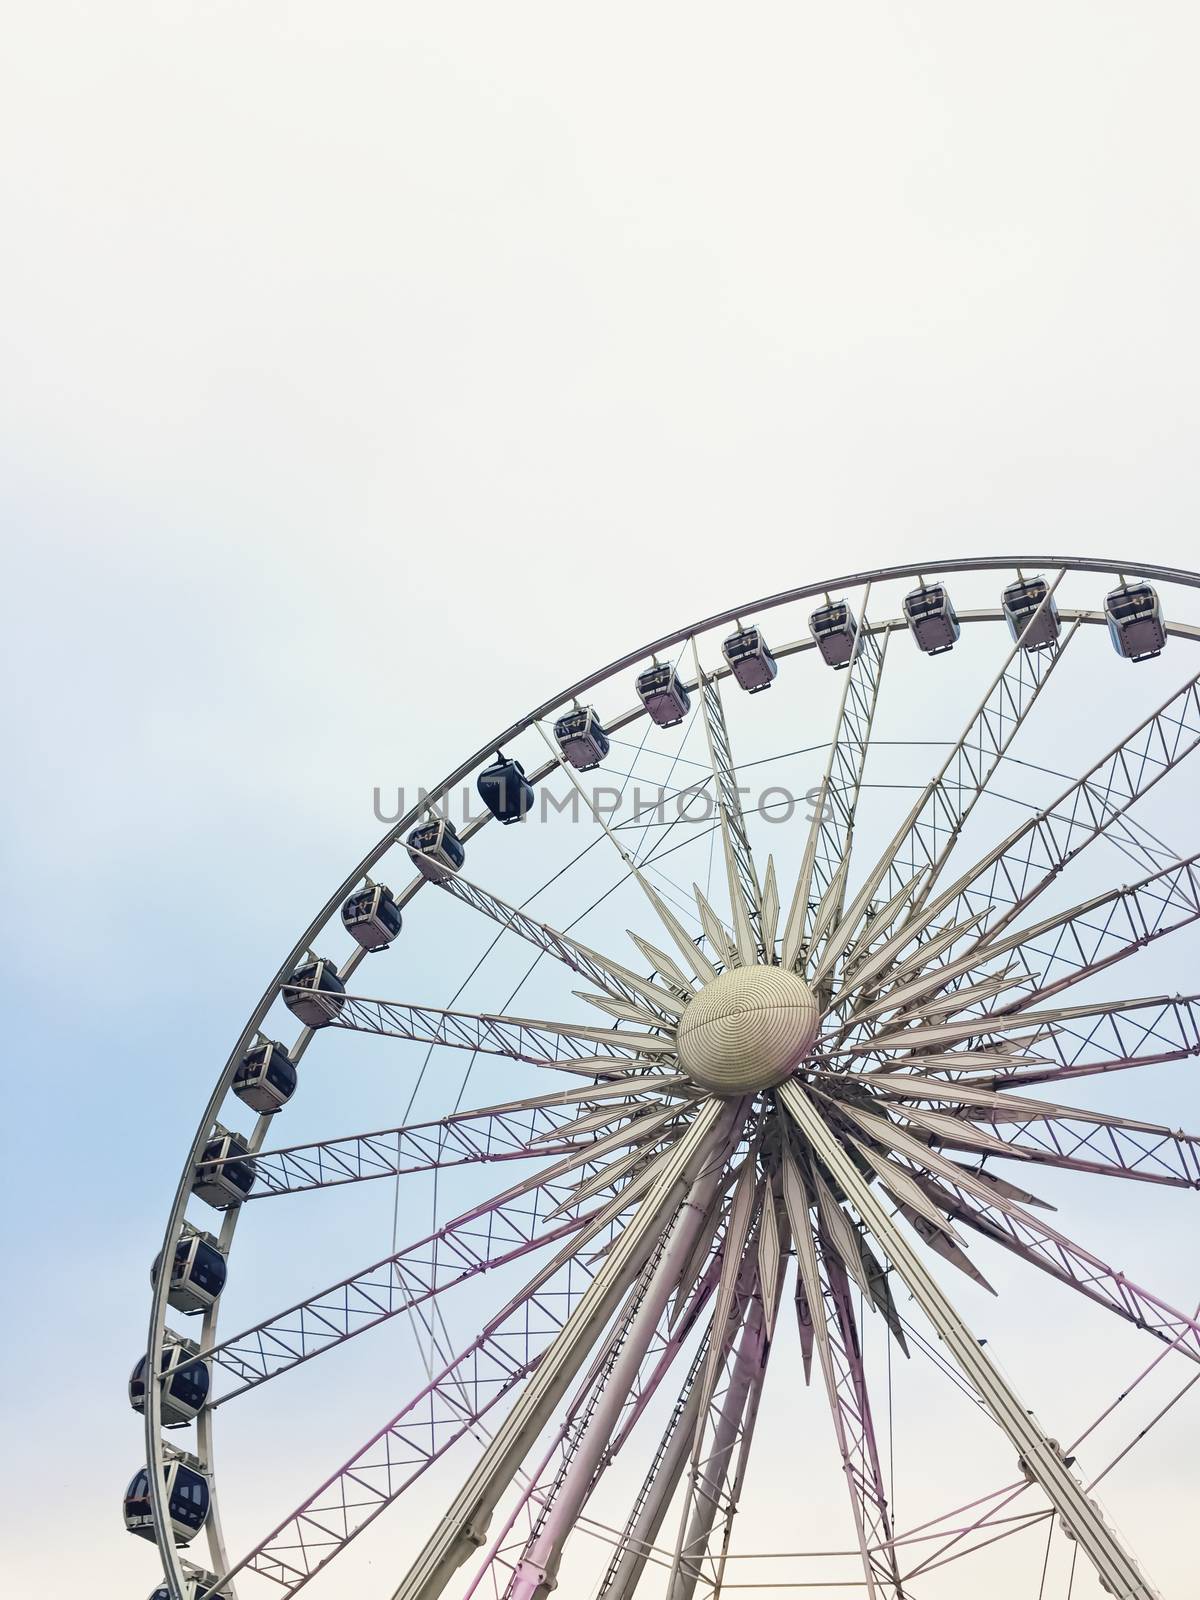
370,371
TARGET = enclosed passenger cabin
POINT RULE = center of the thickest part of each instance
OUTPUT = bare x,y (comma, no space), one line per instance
504,789
266,1077
436,850
314,993
197,1585
198,1272
1135,622
371,916
225,1172
666,701
751,663
186,1384
931,617
581,738
187,1497
1032,628
835,628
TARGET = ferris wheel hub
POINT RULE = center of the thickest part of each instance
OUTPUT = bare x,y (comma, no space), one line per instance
748,1029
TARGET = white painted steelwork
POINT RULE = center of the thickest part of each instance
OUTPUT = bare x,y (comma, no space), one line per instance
697,1153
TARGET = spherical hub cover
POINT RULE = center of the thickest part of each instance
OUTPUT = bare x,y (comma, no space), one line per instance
747,1030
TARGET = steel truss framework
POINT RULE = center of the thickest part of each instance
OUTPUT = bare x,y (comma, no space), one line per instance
659,1228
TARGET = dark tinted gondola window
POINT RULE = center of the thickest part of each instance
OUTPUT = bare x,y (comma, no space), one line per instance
279,1076
191,1385
208,1272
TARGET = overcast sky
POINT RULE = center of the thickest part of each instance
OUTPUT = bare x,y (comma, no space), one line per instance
367,372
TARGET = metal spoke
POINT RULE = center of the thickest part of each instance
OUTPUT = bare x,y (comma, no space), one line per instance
502,1228
706,1499
518,1038
745,893
829,840
800,1201
910,866
673,1448
774,1248
1027,1235
742,1460
1117,1038
701,967
613,1412
616,980
1013,873
858,1428
502,1564
693,1165
450,1405
1007,1224
658,1488
1055,1135
516,1131
1094,1020
736,1269
1043,1460
1069,946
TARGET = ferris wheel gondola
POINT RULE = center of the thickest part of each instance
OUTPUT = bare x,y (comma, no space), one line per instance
505,790
1135,622
436,850
371,917
186,1382
186,1494
1031,613
198,1271
663,694
266,1077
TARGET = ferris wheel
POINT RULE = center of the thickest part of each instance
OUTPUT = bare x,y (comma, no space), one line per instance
793,1026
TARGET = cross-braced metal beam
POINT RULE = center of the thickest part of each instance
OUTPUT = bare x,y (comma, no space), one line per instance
574,1301
611,977
1061,950
1041,1457
697,1159
967,1197
1014,872
857,1432
518,1038
527,1518
503,1228
451,1405
816,902
544,1125
984,1122
535,1574
909,868
745,892
708,1504
800,1201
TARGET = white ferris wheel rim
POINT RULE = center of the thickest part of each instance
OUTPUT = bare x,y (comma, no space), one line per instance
156,1444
